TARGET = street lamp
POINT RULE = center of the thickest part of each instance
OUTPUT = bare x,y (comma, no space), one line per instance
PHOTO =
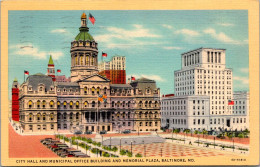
138,129
120,144
144,149
131,149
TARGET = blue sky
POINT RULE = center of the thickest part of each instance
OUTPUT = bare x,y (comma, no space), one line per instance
151,41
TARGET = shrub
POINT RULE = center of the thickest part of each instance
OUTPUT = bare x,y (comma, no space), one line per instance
94,150
241,135
98,144
89,141
138,155
129,154
114,149
74,142
122,152
66,139
94,143
105,154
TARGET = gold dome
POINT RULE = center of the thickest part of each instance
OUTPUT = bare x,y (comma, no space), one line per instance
83,16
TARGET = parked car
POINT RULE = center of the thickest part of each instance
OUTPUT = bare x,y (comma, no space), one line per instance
88,132
103,132
126,131
78,132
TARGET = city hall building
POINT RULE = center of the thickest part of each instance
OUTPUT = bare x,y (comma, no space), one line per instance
204,97
50,103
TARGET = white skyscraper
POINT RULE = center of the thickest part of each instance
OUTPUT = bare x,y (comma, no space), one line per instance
204,74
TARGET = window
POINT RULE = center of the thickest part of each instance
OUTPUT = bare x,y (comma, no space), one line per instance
51,116
85,104
105,91
93,90
30,127
77,116
38,116
52,126
30,104
39,127
65,126
81,60
44,117
65,116
64,104
51,104
194,121
38,104
93,103
98,90
76,60
30,117
58,104
77,104
71,116
85,90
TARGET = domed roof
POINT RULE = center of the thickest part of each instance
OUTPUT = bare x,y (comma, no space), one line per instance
84,36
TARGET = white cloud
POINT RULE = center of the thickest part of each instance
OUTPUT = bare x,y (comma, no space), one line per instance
241,80
172,48
226,24
56,55
220,36
59,31
244,70
187,32
152,77
32,51
167,26
123,34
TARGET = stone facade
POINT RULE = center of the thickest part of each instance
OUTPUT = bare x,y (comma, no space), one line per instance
49,105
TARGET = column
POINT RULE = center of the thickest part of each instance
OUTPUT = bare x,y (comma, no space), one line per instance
89,116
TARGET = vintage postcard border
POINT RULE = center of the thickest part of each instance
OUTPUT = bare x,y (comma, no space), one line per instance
253,17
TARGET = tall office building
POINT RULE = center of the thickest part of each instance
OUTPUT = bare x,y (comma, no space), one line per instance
205,79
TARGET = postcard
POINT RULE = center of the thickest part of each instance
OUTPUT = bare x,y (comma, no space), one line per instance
119,83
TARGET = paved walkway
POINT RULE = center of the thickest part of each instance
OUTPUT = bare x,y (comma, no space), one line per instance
28,146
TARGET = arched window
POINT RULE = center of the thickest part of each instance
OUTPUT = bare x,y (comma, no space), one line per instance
146,102
38,104
76,60
30,117
155,104
77,116
105,91
43,104
92,60
150,114
64,104
38,116
118,104
123,103
93,103
51,116
150,123
140,114
58,104
98,90
150,103
65,116
59,116
81,60
155,114
87,60
71,115
51,104
71,104
85,90
77,104
113,104
146,113
85,104
93,90
128,105
140,103
30,104
141,124
43,116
